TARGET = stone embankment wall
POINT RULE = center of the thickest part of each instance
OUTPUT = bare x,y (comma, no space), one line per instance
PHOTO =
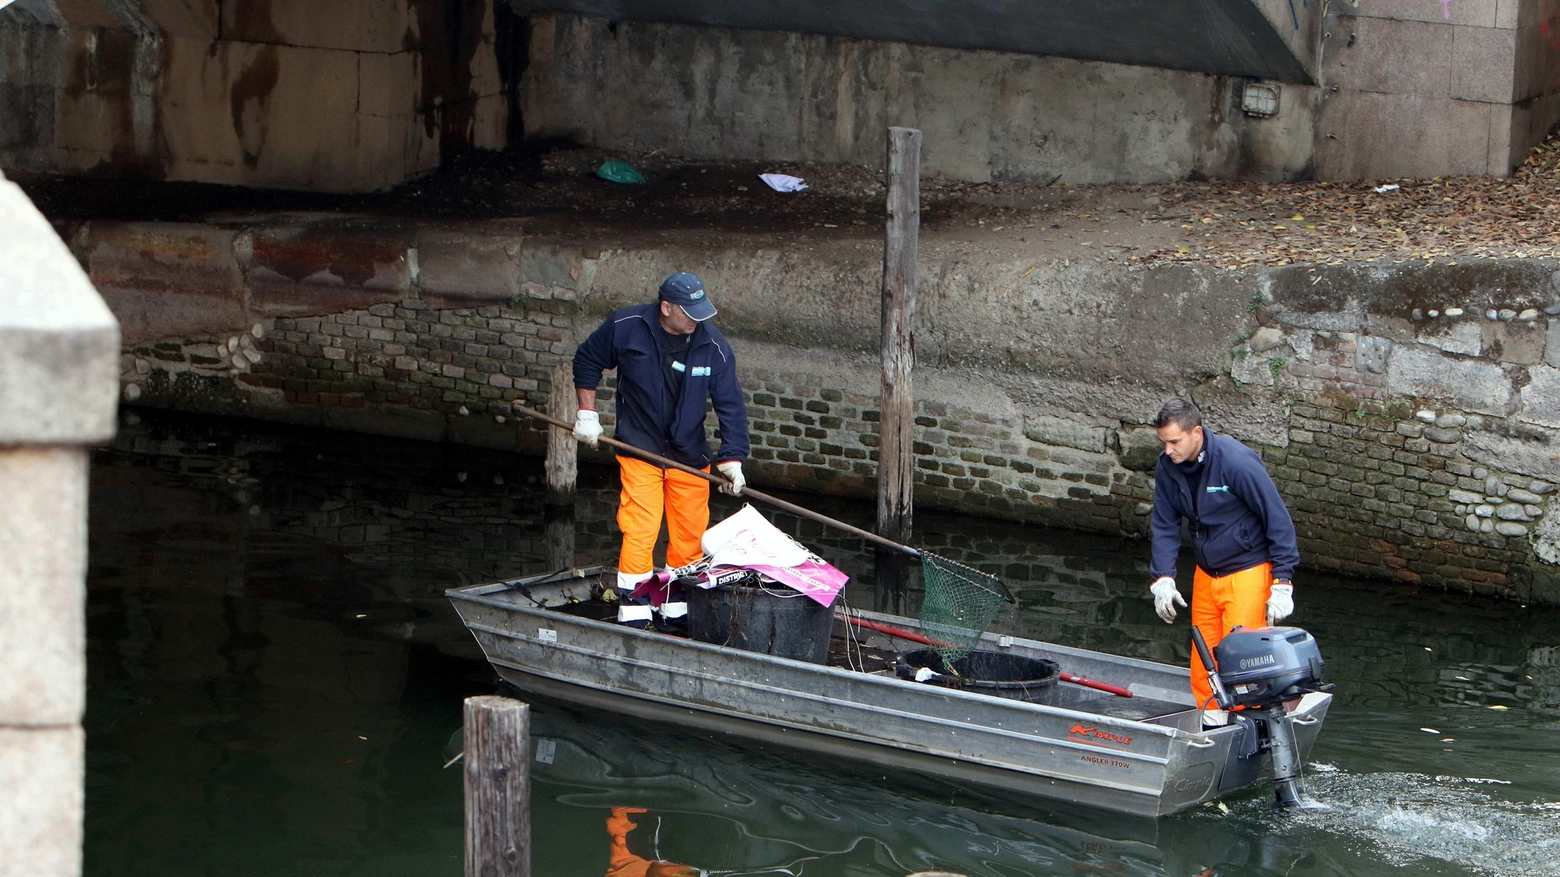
1405,410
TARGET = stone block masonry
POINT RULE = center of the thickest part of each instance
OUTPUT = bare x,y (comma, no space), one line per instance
825,440
1405,410
1398,90
354,95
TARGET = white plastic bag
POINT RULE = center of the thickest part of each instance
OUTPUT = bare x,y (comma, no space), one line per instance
783,182
747,538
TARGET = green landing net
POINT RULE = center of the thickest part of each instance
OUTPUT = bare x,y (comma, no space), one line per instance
959,604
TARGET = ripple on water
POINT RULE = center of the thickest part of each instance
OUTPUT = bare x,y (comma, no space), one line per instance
1455,819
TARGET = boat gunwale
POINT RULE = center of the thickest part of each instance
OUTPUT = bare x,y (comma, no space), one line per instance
975,770
474,594
865,707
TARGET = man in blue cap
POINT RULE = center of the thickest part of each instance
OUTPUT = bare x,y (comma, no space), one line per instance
669,359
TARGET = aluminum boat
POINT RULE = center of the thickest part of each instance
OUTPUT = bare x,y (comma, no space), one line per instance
1145,755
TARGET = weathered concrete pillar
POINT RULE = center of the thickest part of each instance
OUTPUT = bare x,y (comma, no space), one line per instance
59,354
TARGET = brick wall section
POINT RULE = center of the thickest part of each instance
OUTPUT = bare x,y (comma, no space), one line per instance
407,354
825,440
1374,488
1333,366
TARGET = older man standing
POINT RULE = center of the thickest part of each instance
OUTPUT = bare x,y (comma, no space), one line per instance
670,359
1242,536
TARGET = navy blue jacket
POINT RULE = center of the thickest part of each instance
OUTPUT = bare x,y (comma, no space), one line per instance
648,417
1242,520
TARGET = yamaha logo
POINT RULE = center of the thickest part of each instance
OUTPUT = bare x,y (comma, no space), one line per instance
1248,663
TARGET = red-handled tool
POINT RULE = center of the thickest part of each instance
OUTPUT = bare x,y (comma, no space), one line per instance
926,641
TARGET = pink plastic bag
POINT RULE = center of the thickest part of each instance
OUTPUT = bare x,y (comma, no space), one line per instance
816,578
748,540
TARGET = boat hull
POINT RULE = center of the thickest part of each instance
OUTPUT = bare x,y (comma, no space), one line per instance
1144,755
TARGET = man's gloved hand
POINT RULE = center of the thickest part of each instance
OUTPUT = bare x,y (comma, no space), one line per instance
1166,597
1281,602
587,426
732,469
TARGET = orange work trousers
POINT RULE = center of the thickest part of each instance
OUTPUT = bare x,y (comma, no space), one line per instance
648,492
1221,604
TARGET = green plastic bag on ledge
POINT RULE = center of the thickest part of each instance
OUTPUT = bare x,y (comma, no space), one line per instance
619,172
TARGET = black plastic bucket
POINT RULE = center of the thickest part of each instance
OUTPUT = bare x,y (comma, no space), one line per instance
995,673
774,619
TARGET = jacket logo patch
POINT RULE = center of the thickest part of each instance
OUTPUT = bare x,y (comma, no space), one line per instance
701,371
1222,488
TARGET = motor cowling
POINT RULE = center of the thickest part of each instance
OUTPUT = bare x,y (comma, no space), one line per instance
1266,666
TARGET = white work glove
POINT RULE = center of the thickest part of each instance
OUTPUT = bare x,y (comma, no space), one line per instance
587,426
732,469
1280,603
1165,598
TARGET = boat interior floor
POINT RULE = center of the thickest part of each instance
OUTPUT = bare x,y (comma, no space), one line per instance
877,654
1141,709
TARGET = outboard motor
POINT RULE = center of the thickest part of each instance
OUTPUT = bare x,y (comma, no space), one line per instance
1261,669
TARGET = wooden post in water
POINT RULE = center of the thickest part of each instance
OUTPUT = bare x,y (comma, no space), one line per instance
498,787
896,421
896,417
562,456
562,470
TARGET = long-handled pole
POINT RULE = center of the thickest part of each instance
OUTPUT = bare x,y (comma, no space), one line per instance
719,481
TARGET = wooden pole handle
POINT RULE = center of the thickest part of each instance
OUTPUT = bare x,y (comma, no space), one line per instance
718,481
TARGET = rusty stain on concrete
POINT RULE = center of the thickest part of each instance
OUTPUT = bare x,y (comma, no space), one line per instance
129,93
108,74
351,257
248,98
449,32
249,21
512,43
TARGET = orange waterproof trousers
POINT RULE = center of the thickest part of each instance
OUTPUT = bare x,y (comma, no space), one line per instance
648,491
1218,606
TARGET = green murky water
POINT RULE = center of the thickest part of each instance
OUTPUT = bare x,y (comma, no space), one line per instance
275,684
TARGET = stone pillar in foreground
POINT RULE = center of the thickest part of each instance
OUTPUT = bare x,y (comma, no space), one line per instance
59,365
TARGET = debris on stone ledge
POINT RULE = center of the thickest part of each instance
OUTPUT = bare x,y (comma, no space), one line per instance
1439,218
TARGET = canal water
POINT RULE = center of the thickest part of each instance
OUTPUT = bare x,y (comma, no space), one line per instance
275,685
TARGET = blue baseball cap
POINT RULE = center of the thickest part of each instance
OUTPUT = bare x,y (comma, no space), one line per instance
687,292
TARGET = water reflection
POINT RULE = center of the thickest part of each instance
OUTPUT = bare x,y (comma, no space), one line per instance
274,674
728,808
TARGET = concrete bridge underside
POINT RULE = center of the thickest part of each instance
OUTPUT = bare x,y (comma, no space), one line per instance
364,95
1267,39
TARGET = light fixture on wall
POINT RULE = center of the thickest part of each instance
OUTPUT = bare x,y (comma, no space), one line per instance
1259,100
